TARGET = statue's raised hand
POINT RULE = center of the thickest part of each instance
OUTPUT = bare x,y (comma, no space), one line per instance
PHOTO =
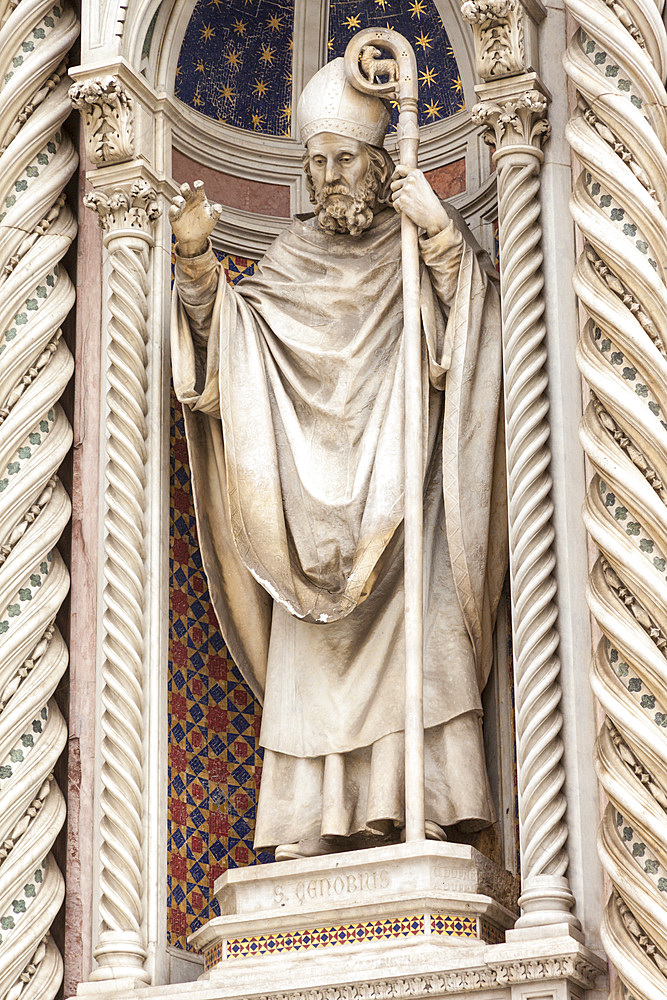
192,219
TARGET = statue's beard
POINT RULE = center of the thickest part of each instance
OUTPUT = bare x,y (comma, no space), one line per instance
341,210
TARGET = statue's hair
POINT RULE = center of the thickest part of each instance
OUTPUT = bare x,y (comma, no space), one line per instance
381,171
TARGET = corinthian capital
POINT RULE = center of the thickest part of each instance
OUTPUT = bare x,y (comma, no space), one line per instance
134,208
520,120
108,118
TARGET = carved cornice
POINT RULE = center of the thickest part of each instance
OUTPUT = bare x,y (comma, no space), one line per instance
134,208
518,121
108,118
575,968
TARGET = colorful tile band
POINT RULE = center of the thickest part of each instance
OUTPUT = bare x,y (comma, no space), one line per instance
330,936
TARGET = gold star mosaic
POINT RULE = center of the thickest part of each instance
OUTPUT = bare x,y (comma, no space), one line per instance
235,64
440,87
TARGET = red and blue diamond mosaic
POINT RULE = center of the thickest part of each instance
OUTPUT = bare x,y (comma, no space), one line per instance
215,762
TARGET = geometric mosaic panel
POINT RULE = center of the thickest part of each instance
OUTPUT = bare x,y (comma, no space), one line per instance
421,925
215,762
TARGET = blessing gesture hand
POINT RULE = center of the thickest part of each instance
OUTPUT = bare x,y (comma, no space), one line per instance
193,219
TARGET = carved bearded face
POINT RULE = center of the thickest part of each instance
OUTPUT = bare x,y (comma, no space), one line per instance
348,181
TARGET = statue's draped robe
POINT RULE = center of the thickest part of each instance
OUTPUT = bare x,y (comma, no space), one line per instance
292,385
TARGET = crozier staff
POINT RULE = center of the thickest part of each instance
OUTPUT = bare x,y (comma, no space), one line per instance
292,385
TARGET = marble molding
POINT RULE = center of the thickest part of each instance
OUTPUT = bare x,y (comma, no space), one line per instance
127,215
36,231
308,930
107,110
617,62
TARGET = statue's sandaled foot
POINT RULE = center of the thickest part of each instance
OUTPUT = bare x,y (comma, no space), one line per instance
311,848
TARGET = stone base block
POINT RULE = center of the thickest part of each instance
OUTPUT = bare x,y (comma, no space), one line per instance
388,898
407,921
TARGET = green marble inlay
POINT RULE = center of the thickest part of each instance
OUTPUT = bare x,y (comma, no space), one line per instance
641,853
10,920
628,373
617,214
633,528
28,449
38,34
25,594
609,69
637,687
37,297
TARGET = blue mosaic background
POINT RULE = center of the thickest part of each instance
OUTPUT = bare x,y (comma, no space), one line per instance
215,762
235,63
440,87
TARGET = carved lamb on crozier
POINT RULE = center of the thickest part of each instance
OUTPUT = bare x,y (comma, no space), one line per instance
374,66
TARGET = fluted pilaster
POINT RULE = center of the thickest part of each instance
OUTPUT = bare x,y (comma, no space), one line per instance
36,229
617,61
127,216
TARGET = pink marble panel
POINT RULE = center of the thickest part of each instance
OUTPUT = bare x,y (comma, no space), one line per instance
236,192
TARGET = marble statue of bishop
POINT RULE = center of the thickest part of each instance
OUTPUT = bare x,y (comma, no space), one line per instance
292,385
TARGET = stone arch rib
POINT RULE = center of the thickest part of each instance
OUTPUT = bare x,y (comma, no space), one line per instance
37,160
616,61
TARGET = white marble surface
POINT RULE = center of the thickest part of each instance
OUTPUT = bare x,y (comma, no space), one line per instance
553,969
377,884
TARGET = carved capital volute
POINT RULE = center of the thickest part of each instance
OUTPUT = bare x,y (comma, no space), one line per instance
505,35
127,211
108,117
514,124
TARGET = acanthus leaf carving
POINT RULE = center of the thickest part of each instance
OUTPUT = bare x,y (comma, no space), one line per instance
108,117
499,37
134,208
521,120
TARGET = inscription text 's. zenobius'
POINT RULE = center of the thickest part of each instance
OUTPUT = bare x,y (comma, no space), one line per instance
330,887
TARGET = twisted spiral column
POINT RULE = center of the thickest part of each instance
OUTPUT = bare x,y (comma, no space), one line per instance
617,60
127,216
516,126
36,229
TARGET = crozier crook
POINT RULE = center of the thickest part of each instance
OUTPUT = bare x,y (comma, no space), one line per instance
401,84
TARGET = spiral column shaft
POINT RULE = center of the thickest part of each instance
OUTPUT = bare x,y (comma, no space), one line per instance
516,125
617,61
127,216
36,229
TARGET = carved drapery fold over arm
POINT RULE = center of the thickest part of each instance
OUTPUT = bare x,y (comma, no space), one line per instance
513,111
196,281
617,61
36,230
127,216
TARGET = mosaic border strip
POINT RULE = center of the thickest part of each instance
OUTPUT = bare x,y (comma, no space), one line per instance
328,936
